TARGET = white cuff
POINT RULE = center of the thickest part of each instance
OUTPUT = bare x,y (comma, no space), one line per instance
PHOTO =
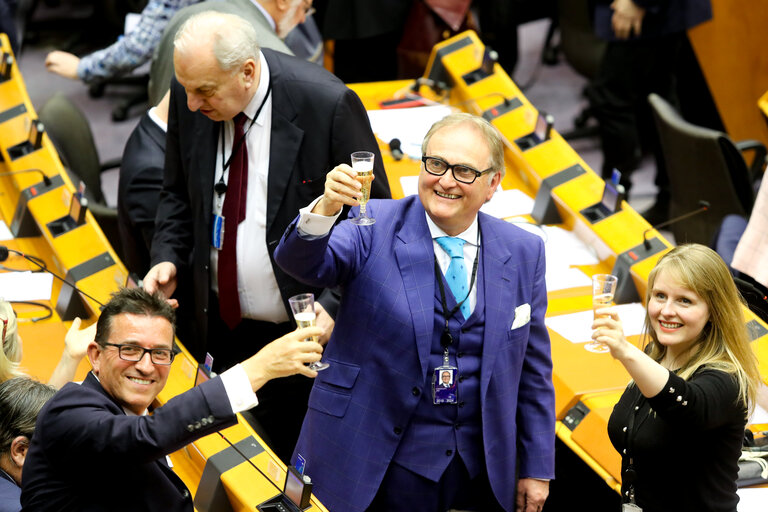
313,224
239,390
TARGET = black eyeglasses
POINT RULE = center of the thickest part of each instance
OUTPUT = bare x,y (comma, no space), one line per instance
463,173
134,353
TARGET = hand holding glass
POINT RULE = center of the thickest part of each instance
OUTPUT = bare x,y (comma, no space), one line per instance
303,308
603,290
362,164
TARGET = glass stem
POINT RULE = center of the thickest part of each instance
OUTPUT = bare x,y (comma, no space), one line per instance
362,210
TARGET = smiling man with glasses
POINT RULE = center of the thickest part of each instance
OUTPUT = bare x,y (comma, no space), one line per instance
95,441
434,292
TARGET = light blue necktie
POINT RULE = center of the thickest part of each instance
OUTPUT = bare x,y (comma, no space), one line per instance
456,274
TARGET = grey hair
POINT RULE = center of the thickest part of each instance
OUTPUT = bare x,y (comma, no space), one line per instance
234,39
490,134
21,399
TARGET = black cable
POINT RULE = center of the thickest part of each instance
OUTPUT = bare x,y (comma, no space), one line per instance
248,460
48,314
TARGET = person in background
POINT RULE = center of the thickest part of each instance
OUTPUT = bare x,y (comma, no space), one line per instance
75,344
21,399
95,445
251,135
126,54
680,423
433,286
644,41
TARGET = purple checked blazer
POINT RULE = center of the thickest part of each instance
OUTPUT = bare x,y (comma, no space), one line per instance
360,406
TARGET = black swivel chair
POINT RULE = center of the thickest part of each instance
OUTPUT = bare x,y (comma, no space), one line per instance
71,135
704,164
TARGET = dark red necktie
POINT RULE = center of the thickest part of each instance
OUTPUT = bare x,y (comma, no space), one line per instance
233,212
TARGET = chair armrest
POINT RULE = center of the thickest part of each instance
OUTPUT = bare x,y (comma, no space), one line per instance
758,161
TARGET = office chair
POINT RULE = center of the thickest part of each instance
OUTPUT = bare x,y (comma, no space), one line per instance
137,96
583,51
71,135
704,164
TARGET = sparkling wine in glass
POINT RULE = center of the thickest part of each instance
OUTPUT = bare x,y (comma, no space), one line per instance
603,290
362,164
303,308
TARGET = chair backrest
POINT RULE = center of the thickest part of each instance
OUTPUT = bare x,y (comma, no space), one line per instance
581,47
702,164
71,135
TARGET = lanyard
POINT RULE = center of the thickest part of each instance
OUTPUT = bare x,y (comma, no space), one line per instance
446,340
221,187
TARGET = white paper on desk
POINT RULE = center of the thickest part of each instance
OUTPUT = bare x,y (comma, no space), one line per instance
759,416
559,278
26,285
577,327
5,233
564,249
508,203
410,125
752,499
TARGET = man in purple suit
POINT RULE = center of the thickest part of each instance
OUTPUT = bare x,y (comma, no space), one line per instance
433,286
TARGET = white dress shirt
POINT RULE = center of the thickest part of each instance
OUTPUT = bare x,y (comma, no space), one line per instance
260,297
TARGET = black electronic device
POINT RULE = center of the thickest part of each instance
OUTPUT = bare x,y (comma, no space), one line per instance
78,205
610,203
6,65
295,497
33,143
542,132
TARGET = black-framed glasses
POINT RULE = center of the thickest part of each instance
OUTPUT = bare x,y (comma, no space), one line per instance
134,353
463,173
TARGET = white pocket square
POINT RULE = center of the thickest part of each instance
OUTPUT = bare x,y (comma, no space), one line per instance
522,316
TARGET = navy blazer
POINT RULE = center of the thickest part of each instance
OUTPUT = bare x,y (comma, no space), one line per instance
88,455
379,350
138,192
317,121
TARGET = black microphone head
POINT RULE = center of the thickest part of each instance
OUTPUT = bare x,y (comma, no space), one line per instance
3,253
394,148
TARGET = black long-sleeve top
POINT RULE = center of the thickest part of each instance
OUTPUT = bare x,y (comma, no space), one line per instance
685,443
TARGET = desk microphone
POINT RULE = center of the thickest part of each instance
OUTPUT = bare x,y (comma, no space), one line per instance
46,179
4,251
703,206
395,149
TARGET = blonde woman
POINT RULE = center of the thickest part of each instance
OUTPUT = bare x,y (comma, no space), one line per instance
680,423
75,344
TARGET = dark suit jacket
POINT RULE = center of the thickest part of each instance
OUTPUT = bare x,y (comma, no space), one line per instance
88,455
316,123
141,179
380,346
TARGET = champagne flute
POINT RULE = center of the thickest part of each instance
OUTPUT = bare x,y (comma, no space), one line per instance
603,290
362,164
303,308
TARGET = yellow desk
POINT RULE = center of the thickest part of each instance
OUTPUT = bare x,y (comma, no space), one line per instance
225,476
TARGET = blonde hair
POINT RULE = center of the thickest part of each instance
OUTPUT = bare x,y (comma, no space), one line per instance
724,343
11,348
